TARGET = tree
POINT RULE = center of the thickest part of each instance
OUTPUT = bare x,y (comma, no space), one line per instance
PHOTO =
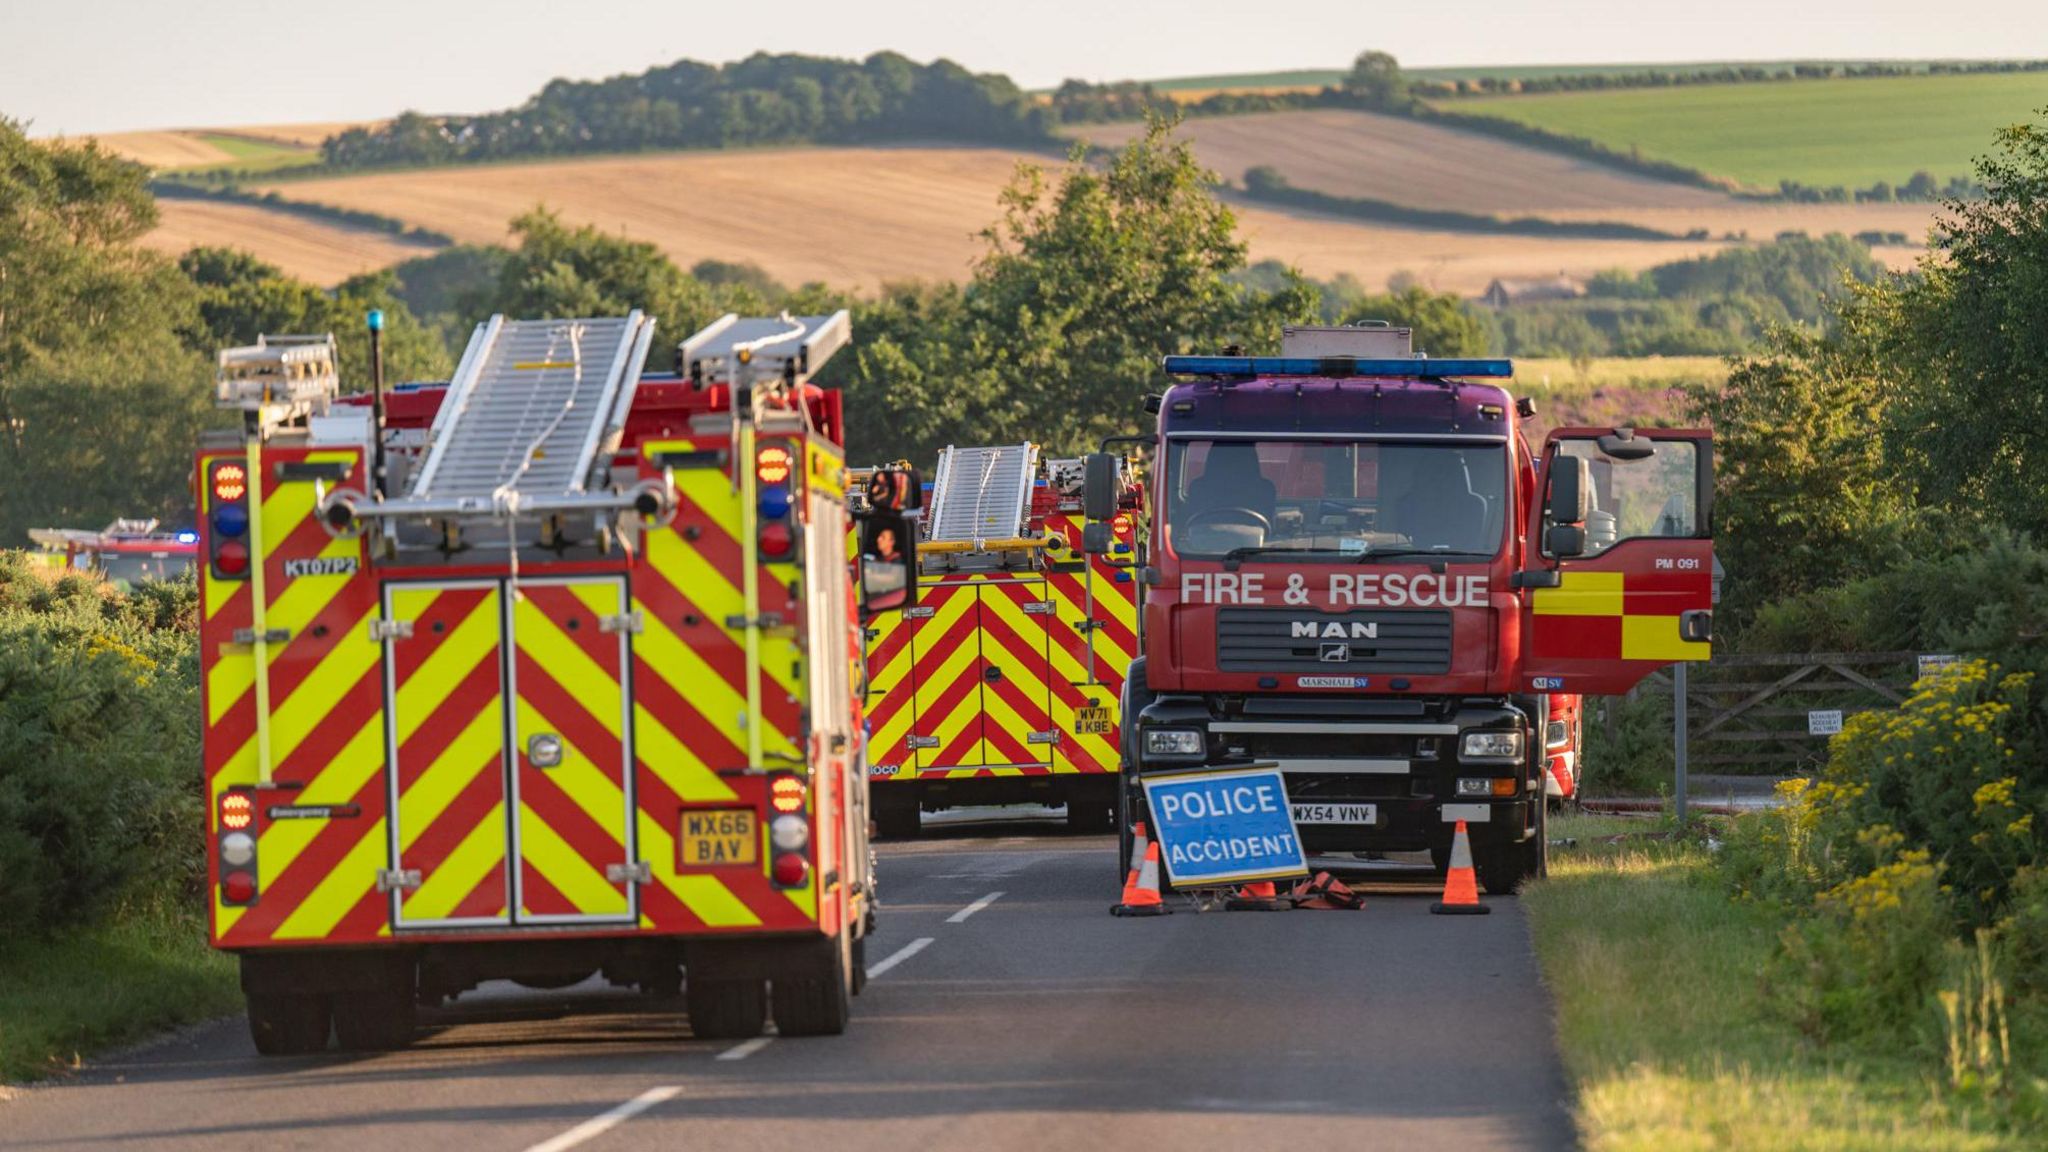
1088,279
241,298
1969,350
1375,81
557,270
1443,325
100,400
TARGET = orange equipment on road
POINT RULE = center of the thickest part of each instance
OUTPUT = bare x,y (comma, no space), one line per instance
541,673
1000,684
1461,884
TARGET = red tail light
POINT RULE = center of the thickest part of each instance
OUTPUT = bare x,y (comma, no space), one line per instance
790,870
777,540
238,888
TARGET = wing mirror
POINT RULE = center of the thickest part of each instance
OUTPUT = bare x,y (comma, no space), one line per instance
888,541
1099,487
1621,444
1571,490
1565,540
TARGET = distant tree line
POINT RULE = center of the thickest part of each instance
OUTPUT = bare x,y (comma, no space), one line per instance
325,213
1595,81
763,99
1267,184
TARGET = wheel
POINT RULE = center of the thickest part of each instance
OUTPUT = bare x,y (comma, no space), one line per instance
896,815
288,1025
726,1009
375,1021
1090,812
859,964
816,1004
1503,868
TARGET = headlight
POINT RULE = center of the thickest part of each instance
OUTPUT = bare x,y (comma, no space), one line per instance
789,833
1491,746
1555,734
1173,742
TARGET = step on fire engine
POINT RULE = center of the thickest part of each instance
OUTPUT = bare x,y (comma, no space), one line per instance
1358,570
540,673
1000,684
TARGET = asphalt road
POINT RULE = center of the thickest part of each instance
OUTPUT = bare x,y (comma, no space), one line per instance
1008,1010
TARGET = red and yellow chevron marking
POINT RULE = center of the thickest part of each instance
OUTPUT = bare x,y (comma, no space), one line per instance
1622,615
317,876
448,725
690,701
569,679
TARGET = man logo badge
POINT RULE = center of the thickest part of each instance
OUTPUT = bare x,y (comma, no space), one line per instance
1336,653
1333,630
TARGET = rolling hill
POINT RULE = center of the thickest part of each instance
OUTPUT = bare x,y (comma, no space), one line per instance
1850,132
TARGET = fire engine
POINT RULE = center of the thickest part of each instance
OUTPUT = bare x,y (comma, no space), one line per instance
125,552
540,673
1359,570
1000,684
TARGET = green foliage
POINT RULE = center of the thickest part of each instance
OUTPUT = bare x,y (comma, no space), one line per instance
1804,498
1443,324
1867,961
1375,81
95,385
99,747
240,298
764,99
556,270
1085,285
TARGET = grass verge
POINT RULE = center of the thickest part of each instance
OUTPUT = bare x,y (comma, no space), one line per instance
1662,1016
88,989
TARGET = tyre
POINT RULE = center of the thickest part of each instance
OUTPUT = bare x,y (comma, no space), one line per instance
1503,868
817,1004
726,1009
288,1025
896,814
1090,812
375,1021
859,961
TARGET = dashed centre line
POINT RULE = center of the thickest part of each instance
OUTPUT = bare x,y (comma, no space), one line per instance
746,1048
899,956
971,909
599,1125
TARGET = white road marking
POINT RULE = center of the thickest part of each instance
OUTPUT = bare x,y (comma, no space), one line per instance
971,909
747,1048
899,956
599,1125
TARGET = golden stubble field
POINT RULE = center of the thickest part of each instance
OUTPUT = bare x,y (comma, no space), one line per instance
325,254
859,217
1362,155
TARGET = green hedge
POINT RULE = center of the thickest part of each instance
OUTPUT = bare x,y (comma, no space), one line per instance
100,781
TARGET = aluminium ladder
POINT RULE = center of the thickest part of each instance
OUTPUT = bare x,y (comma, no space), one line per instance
982,493
528,411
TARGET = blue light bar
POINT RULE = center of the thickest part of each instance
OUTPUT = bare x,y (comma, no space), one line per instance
1420,368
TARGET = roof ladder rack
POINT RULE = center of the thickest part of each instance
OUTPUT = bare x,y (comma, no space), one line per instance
529,410
982,494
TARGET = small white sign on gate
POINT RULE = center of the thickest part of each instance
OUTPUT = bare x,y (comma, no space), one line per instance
1824,722
1930,664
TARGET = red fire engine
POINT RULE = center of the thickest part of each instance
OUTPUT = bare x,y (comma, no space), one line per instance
1358,569
545,672
126,552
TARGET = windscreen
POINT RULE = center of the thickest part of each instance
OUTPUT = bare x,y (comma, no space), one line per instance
1342,498
126,569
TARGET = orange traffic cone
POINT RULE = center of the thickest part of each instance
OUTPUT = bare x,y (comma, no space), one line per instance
1325,891
1259,897
1461,886
1141,891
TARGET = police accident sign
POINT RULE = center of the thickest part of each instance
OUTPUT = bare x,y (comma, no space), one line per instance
1219,828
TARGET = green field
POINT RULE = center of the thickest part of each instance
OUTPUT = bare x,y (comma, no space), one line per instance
1820,132
254,155
1301,77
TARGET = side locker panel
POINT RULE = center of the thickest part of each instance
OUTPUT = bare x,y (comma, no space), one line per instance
946,731
891,698
571,746
445,743
1017,618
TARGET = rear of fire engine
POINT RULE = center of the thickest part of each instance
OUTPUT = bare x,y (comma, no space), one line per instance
542,673
1359,571
1000,684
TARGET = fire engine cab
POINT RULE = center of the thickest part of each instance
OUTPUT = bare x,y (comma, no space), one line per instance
1359,570
541,673
125,552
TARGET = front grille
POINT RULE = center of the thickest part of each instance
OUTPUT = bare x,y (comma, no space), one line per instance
1274,640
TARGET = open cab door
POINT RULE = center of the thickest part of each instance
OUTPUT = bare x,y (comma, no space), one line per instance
1619,581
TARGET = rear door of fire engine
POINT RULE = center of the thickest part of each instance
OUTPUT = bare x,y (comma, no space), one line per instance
509,744
1618,577
1017,618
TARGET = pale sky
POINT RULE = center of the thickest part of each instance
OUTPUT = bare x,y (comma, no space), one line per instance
73,66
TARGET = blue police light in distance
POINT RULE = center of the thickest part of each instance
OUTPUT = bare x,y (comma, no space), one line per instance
1421,368
188,537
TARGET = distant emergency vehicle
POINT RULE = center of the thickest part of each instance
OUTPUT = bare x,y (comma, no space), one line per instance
542,673
125,552
999,685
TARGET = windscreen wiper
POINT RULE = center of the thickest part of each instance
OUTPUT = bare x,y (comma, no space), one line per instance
1236,556
1426,553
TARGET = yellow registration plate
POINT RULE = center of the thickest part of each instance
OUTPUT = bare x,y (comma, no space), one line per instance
1091,720
719,838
